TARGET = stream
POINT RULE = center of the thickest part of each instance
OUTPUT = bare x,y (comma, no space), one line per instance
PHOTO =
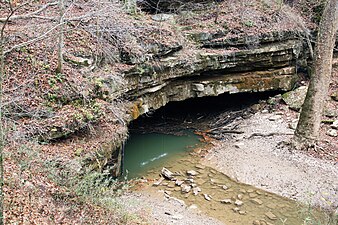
230,201
214,193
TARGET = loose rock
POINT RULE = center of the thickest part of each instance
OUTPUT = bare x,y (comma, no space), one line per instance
257,201
224,187
334,96
226,201
190,180
171,185
185,188
212,171
167,173
196,190
241,212
334,125
236,209
179,182
162,17
253,195
192,173
256,222
242,191
250,190
200,167
332,133
207,197
238,202
158,182
271,216
193,206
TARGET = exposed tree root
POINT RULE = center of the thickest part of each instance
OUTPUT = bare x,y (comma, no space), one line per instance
268,134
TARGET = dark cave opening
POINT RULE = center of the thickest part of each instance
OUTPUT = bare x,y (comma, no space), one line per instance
193,109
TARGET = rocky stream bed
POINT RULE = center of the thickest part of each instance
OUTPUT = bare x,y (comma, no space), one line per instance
282,186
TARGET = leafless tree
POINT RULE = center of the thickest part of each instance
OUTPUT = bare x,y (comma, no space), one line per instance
11,7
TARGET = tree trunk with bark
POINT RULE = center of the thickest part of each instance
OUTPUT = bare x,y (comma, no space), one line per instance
308,127
2,134
61,37
2,73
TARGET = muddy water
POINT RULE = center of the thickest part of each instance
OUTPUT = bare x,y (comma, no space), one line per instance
230,201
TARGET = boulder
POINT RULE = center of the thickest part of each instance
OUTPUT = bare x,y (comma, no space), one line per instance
294,99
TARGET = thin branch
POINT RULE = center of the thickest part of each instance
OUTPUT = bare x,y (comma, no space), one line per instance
32,40
56,18
28,15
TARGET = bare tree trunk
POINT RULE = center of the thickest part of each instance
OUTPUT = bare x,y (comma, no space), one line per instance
310,118
2,73
61,37
2,139
217,11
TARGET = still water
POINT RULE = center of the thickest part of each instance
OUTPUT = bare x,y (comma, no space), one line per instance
144,152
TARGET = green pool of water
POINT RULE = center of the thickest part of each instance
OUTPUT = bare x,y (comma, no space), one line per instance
144,152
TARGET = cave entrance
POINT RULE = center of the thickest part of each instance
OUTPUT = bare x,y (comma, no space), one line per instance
169,133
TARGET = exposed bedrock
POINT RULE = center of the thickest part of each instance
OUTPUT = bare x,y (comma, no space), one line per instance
268,67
